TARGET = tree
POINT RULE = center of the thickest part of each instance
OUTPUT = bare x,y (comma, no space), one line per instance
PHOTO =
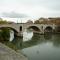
4,34
5,21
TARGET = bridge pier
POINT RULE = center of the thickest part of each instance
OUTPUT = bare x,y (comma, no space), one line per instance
19,34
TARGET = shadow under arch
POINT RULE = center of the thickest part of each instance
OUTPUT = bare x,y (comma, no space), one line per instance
33,28
48,29
15,32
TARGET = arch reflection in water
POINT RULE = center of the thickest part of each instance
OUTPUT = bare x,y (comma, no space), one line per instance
36,40
48,36
27,35
33,41
11,35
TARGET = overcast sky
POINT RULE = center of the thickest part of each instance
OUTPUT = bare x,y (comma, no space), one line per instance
29,9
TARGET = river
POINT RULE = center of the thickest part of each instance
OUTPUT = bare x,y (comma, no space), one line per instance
39,47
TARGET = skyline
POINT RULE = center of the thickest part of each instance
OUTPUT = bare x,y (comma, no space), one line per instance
29,9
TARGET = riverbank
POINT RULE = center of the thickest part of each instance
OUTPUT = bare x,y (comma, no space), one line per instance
7,53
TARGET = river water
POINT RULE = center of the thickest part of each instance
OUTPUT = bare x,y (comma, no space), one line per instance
39,47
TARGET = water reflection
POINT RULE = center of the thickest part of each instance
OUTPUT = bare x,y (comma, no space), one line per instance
11,35
38,47
27,35
35,39
17,41
56,40
48,36
42,47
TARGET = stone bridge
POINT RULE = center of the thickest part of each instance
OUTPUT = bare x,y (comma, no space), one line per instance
20,27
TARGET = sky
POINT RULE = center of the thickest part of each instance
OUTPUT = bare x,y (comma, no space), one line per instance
23,10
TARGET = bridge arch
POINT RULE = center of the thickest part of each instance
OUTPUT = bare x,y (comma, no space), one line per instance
9,28
34,28
48,29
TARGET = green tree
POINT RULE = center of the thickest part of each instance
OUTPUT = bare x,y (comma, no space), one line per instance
4,34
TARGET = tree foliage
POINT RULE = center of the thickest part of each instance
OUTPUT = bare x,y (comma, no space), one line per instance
4,34
5,21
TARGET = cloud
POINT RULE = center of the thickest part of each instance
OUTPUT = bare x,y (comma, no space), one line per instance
14,15
51,4
33,8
